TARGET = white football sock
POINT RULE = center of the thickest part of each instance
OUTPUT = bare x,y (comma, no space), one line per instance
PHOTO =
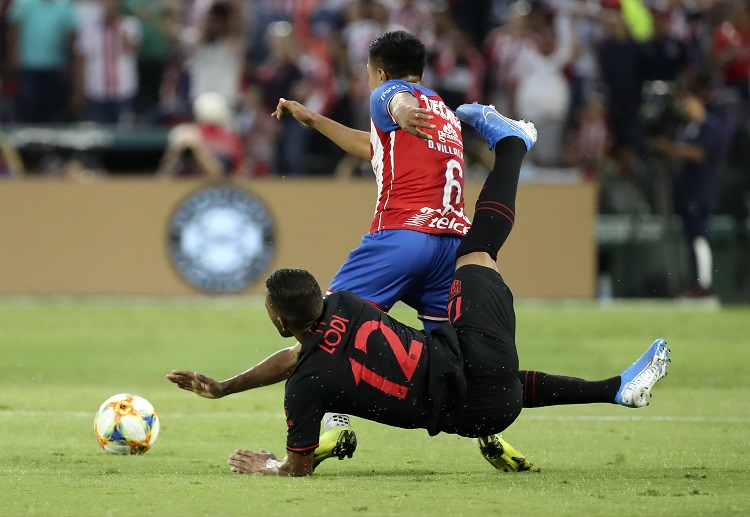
334,420
703,262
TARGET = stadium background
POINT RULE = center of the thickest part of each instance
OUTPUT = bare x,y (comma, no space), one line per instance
72,214
86,208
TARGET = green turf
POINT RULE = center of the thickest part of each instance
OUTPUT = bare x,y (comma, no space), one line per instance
686,454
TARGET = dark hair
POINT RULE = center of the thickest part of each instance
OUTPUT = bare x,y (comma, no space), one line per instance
399,53
295,296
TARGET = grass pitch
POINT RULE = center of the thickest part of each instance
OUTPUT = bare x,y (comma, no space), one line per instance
686,454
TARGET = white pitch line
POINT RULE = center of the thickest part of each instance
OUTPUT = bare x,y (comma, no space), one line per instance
525,416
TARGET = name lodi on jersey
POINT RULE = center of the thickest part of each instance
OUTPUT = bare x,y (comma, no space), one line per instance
420,182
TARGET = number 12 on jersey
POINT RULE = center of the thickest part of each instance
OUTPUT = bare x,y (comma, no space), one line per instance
407,359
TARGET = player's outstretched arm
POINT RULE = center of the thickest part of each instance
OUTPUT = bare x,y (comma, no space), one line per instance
352,141
262,462
271,370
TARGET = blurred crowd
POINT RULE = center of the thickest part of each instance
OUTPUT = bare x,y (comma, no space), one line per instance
596,76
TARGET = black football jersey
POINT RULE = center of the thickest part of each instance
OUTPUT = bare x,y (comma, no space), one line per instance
359,361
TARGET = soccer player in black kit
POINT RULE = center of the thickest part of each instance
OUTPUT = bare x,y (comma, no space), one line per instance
462,378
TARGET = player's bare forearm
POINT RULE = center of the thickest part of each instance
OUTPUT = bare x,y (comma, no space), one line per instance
352,141
262,462
275,368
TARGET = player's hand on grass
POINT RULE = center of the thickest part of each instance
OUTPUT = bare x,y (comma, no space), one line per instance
293,109
249,462
199,384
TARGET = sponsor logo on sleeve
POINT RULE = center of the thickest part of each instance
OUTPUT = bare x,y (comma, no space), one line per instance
390,89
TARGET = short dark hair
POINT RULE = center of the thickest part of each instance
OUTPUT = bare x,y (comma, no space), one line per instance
399,54
295,296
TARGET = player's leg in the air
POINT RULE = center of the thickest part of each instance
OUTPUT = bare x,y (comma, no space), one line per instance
493,220
633,387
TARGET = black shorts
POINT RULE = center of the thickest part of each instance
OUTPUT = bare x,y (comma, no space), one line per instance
480,308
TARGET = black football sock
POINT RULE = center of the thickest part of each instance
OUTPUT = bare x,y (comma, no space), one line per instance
543,389
494,213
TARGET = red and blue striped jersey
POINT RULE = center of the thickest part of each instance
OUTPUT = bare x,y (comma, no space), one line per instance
420,182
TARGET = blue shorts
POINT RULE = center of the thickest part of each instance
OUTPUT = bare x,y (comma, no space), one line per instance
413,267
